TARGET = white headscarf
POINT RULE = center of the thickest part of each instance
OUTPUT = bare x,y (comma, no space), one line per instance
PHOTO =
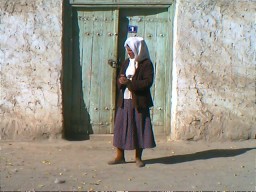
138,47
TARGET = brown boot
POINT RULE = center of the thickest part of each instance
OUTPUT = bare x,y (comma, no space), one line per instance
119,157
138,155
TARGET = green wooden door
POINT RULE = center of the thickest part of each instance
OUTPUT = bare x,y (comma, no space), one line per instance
101,34
98,30
153,25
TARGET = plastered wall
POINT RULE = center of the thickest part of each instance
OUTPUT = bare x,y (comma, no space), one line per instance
31,62
214,73
213,96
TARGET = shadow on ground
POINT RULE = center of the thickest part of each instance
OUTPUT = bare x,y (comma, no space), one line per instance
202,155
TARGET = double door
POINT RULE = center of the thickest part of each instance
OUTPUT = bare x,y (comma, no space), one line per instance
101,33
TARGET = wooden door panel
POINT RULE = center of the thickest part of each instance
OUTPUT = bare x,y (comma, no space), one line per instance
98,36
96,47
77,100
162,51
108,73
153,27
86,47
96,63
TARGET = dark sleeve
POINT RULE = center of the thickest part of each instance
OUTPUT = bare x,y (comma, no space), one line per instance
145,79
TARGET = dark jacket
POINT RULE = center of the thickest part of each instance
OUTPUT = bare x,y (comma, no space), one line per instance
139,85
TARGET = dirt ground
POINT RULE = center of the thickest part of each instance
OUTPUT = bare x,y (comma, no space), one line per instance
82,166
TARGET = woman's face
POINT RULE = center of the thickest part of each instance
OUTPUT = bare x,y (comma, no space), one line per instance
130,53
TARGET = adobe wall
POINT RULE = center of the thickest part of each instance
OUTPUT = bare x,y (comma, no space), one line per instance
31,64
214,72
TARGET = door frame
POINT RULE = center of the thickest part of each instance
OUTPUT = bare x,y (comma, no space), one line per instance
122,3
68,42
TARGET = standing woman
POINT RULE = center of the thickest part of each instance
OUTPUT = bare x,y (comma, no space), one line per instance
133,128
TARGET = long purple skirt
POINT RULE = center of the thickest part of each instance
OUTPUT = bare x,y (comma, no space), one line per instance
133,129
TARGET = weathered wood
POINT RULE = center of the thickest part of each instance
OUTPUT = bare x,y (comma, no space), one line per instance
98,43
76,88
162,52
121,2
99,31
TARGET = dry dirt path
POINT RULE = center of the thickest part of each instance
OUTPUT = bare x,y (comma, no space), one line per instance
82,166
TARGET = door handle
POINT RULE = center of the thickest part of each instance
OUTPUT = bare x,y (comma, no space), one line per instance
112,63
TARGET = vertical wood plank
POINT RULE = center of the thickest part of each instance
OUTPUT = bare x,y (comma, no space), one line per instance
109,43
150,37
97,49
99,43
86,60
76,78
168,73
160,70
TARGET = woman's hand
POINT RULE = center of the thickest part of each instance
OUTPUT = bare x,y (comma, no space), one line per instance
123,80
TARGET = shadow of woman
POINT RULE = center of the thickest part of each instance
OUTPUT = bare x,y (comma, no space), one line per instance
202,155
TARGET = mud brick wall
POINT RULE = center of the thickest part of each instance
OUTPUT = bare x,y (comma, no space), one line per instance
31,61
214,70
